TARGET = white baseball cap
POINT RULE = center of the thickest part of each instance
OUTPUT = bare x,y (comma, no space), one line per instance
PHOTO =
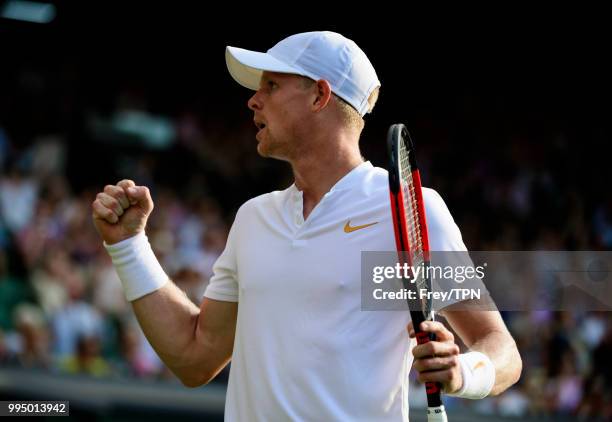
317,55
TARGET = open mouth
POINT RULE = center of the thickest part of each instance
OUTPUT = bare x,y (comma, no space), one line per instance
260,126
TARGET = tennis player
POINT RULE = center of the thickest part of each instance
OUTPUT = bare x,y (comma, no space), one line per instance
284,304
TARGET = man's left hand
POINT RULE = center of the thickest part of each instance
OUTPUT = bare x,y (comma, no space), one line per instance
437,361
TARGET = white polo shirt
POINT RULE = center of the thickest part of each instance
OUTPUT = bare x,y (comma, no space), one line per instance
304,349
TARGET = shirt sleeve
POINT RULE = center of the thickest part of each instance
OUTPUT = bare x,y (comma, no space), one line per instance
223,284
448,251
444,234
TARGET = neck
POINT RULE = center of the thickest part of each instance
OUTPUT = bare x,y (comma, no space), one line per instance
315,174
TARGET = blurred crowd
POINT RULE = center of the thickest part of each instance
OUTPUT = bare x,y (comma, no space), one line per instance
61,304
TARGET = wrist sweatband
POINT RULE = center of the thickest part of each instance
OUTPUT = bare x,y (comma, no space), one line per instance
478,376
138,269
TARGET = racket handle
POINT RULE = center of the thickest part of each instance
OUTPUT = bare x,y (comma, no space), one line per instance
436,414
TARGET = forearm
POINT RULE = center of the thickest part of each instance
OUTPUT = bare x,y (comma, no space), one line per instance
169,321
485,332
195,343
501,349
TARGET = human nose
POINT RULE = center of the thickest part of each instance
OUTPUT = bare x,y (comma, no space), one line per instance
254,102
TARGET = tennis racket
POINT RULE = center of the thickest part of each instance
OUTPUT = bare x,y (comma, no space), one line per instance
408,211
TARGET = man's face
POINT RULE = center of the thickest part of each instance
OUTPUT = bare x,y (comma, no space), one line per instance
280,108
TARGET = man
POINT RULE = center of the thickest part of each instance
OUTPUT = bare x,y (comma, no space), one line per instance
284,302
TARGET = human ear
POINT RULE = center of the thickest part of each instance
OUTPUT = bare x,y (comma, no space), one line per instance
323,95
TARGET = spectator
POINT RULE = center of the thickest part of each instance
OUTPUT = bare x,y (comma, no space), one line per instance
87,360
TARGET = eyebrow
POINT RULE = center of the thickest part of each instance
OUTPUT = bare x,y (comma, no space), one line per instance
265,80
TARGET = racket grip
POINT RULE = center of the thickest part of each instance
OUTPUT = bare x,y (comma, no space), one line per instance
433,389
436,414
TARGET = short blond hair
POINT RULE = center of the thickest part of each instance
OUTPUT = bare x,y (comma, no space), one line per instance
350,115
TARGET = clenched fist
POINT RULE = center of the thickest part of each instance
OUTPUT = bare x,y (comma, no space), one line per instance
121,211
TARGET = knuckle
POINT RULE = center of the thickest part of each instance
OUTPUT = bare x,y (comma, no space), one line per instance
430,347
422,352
115,195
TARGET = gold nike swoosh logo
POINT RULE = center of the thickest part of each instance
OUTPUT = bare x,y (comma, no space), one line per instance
349,229
480,364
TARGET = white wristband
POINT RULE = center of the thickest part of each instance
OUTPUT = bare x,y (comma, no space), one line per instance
136,266
478,376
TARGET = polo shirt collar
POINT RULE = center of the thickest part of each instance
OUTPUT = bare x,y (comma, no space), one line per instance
353,178
348,181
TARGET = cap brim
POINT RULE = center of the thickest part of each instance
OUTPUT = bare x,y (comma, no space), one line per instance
246,66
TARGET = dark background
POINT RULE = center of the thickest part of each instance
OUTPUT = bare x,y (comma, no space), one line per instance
466,82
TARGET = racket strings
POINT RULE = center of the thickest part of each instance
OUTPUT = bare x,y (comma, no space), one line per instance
414,227
410,207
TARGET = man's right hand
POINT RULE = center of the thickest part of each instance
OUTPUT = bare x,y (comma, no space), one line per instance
121,211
